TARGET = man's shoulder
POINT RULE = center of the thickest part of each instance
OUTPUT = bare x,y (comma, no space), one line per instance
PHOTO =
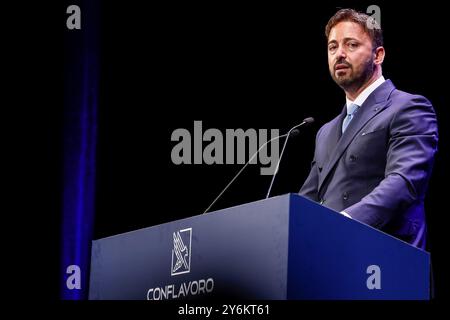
406,97
328,125
404,104
414,109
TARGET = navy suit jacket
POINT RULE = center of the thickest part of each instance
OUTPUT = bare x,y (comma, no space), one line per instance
378,170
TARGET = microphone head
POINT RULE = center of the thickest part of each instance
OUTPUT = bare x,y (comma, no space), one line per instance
294,133
308,120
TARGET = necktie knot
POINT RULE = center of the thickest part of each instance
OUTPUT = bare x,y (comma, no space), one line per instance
352,109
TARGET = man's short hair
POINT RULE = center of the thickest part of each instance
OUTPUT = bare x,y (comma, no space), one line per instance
360,18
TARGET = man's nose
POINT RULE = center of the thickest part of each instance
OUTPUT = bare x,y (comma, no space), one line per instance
341,53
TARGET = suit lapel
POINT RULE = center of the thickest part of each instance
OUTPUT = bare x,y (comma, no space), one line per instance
334,135
374,104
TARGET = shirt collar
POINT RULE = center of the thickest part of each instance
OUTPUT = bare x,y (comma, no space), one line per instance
365,93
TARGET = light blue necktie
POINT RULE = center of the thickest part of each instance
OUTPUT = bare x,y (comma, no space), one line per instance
351,110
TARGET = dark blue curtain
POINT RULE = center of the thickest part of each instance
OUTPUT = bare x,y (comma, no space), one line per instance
81,73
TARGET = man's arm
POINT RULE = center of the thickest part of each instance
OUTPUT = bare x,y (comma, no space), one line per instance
412,145
310,188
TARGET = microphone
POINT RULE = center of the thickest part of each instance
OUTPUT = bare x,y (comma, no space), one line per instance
292,132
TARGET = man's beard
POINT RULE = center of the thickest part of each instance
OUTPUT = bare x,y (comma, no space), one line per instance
353,82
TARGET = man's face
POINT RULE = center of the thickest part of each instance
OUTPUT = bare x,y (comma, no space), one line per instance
350,55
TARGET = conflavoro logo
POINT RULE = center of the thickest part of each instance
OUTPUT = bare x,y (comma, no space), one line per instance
181,252
181,263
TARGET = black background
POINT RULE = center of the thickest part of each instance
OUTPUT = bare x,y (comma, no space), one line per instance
231,66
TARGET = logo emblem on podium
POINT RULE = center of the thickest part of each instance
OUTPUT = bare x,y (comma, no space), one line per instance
181,252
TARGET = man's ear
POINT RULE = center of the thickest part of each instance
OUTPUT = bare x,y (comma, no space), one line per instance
379,55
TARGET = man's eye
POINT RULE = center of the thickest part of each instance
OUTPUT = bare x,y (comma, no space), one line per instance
353,45
332,48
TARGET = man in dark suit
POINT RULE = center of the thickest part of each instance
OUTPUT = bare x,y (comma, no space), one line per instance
372,163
